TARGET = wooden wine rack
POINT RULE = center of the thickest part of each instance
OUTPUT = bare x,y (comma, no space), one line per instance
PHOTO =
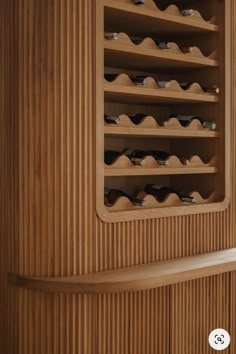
53,240
207,174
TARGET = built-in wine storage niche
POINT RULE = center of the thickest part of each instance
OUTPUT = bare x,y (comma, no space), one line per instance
163,109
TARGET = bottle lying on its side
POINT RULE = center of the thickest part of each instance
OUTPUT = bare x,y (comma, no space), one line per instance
135,118
138,2
209,89
187,12
141,80
112,195
111,77
137,157
111,35
111,119
160,44
138,40
110,156
162,157
161,192
186,119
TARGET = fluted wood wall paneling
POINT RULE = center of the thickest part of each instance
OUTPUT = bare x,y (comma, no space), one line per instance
9,170
48,221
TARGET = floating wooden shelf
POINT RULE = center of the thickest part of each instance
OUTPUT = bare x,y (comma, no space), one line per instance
153,19
124,53
140,277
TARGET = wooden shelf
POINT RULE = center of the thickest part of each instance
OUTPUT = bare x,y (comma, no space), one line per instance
129,94
161,171
140,277
172,200
165,132
138,57
125,16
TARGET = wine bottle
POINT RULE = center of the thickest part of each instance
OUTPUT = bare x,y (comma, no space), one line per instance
161,192
111,35
111,196
187,12
187,49
160,44
110,156
210,89
111,77
136,118
186,119
167,84
136,157
138,2
161,157
141,80
111,119
163,45
164,84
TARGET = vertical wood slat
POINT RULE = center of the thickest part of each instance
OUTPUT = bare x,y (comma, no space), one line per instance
9,170
59,232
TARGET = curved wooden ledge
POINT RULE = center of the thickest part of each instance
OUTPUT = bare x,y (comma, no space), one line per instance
135,278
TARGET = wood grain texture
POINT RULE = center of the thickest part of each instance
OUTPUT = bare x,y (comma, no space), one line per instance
53,177
9,170
139,277
151,17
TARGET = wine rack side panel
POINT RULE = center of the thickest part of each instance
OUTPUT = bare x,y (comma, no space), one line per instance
59,231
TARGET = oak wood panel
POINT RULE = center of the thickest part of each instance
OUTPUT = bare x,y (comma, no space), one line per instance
9,169
197,308
59,231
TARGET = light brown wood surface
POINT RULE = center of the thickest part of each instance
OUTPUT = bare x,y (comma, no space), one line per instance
150,95
140,277
151,18
133,171
49,225
159,132
122,92
148,56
